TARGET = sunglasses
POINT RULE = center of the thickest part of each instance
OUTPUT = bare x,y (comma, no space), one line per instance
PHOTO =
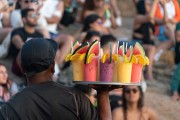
133,90
30,1
100,0
35,15
99,22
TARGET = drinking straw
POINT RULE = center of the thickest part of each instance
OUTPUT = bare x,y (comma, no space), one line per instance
126,46
123,51
117,47
99,49
110,52
113,48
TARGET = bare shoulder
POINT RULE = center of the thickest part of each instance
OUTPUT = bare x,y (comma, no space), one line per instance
106,6
149,113
117,114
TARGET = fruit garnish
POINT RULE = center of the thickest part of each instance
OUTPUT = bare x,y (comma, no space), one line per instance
134,60
92,49
82,57
104,57
68,57
90,57
147,60
75,57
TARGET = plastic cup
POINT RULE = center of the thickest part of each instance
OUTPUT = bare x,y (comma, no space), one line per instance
115,72
91,70
124,72
78,70
106,71
136,73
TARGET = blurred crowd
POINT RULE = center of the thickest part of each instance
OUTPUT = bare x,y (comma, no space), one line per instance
156,27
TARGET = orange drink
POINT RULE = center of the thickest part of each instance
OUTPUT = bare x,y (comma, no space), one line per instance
78,70
124,72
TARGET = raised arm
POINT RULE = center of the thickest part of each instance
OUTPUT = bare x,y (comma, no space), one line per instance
57,14
149,17
165,17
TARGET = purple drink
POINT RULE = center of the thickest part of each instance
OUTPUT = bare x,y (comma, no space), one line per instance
106,71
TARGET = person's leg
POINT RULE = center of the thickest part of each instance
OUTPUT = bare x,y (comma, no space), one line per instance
169,34
150,50
64,42
175,82
3,33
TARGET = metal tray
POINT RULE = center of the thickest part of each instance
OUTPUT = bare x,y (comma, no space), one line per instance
105,83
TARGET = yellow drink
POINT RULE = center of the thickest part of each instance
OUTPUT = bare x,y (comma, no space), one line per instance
124,72
78,70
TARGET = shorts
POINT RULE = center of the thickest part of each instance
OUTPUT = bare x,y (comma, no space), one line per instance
161,36
53,35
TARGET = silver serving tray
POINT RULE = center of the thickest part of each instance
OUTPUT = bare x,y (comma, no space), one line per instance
105,83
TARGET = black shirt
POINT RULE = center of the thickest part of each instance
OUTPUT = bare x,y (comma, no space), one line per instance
48,101
24,36
177,53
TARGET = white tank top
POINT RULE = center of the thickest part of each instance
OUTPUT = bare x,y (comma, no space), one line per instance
49,10
170,8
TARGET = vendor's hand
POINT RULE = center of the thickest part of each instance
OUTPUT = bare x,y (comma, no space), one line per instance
104,88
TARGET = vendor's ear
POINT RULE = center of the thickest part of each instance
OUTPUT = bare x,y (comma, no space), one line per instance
52,67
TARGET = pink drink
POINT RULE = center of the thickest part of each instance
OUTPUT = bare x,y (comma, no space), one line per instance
106,71
136,73
91,70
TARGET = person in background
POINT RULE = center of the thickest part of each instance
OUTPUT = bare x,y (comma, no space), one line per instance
175,82
8,88
101,8
88,91
20,35
15,18
116,11
52,16
144,29
91,36
173,15
5,28
133,106
106,40
164,31
92,23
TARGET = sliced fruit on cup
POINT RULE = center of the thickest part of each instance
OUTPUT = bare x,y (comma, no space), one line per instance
92,49
115,57
134,60
126,60
104,57
90,57
82,57
141,59
147,60
68,57
75,57
81,49
75,46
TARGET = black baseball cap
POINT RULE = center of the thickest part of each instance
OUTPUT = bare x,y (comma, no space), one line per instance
37,54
